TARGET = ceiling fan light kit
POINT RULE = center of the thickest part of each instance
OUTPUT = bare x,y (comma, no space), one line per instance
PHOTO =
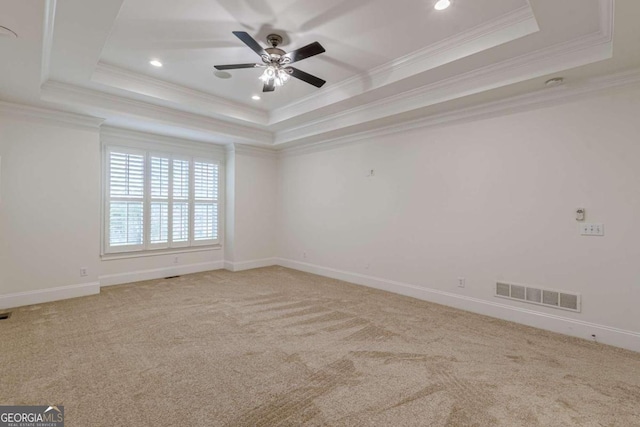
278,74
276,62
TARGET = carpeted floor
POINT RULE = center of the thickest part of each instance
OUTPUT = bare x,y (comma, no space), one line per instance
274,346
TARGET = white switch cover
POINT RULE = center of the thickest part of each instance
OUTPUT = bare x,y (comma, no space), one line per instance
592,229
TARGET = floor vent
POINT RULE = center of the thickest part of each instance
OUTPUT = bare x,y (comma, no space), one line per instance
546,297
5,316
172,277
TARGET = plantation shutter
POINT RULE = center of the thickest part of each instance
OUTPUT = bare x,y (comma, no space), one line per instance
159,200
180,201
159,203
205,182
126,199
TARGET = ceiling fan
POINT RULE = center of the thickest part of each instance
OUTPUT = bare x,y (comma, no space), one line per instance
276,62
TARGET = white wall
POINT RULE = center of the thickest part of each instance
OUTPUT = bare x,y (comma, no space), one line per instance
486,200
251,198
50,178
49,211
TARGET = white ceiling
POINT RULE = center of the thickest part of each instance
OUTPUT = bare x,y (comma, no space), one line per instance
385,61
358,36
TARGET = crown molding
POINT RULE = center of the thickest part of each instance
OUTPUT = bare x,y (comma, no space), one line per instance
55,117
115,135
539,99
109,104
250,150
47,39
511,26
573,53
130,81
121,111
607,14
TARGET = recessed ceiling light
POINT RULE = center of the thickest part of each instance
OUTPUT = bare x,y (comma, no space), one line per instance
255,98
442,4
156,63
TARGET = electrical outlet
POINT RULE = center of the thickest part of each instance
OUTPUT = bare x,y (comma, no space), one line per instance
304,255
366,266
592,229
461,282
175,259
84,271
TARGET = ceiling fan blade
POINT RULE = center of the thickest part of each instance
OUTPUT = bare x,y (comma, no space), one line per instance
307,51
235,66
250,41
306,77
269,86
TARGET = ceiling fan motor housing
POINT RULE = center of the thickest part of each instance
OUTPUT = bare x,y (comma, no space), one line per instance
274,52
274,40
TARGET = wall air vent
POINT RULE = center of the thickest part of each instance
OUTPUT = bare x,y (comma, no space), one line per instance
547,297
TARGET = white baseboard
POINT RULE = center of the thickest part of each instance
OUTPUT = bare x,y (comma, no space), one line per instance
604,334
20,299
248,265
158,273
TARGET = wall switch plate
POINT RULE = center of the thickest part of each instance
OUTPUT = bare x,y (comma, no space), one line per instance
461,282
84,271
588,229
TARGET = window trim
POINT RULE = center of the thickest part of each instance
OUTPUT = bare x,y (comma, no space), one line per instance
149,147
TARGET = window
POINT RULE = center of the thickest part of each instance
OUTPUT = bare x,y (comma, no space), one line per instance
159,201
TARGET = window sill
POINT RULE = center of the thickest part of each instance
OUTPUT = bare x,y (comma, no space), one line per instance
158,252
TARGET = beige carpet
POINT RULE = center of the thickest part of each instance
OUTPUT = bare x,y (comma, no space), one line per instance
274,346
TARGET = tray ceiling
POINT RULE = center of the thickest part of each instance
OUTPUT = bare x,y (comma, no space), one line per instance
384,60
